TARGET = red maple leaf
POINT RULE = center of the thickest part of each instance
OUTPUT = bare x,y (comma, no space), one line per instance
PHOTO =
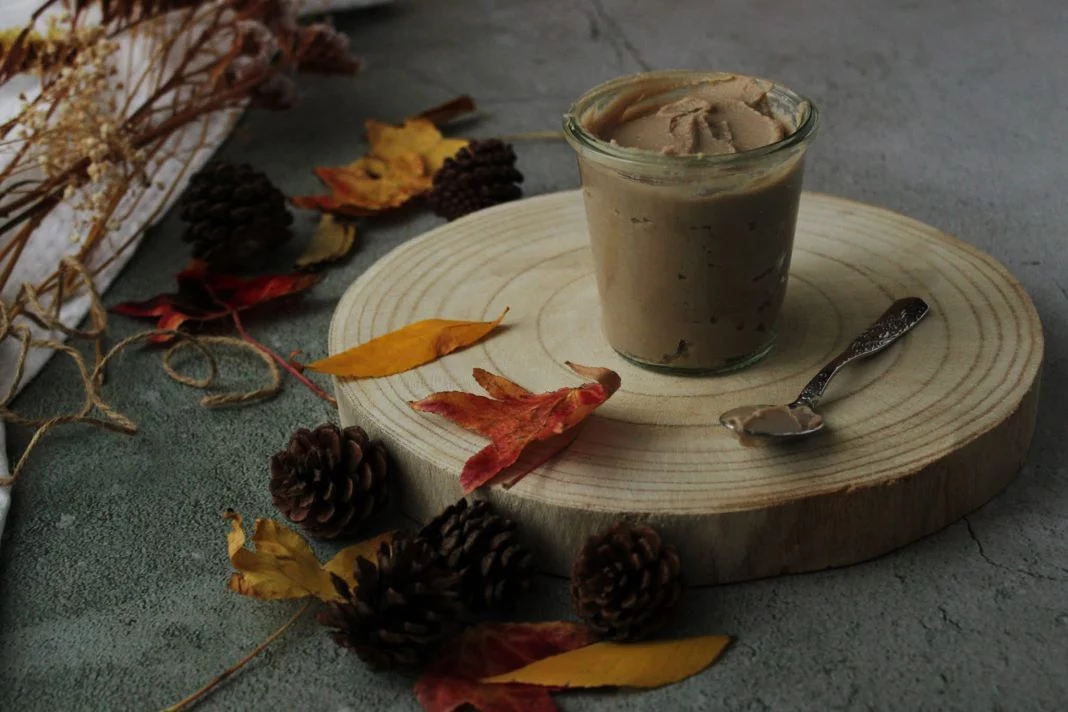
203,296
491,649
513,417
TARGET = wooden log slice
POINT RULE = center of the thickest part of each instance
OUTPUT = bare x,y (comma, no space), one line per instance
918,436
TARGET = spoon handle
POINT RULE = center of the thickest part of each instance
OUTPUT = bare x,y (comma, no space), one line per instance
892,325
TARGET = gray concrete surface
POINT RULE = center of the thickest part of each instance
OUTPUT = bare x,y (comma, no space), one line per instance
112,572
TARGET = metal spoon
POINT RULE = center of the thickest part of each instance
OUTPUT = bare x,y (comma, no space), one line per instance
800,417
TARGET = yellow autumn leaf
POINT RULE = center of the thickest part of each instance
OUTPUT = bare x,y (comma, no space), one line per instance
332,240
283,565
417,135
399,166
406,348
650,664
370,185
344,562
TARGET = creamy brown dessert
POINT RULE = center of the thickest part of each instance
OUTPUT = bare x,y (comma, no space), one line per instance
725,116
691,192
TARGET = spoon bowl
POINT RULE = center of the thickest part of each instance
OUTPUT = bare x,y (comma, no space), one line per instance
775,421
761,422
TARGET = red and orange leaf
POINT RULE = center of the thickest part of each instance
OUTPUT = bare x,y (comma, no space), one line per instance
204,296
514,418
451,682
535,455
498,386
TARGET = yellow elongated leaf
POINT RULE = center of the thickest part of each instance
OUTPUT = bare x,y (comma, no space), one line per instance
333,239
406,348
651,664
283,565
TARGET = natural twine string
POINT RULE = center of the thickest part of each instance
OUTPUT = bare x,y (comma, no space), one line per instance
28,304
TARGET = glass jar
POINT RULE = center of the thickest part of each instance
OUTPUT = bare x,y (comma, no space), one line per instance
691,252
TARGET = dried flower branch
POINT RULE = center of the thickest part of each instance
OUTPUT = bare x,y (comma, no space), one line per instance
118,79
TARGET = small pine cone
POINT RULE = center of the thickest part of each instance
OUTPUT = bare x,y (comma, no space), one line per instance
626,582
403,609
329,481
480,175
236,216
484,548
322,49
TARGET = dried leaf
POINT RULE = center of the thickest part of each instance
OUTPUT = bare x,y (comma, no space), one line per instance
284,566
452,681
499,387
333,239
535,455
418,136
450,110
399,167
203,296
344,562
370,185
406,348
514,418
651,664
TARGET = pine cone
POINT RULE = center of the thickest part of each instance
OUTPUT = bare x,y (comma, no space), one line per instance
625,582
236,216
484,548
329,481
403,608
323,49
480,175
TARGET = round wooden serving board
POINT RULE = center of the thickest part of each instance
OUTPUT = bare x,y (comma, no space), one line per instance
918,435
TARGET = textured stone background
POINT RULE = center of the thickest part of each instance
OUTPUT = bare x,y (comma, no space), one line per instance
112,571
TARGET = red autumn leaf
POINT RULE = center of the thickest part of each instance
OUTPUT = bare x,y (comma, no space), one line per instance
513,417
203,296
491,649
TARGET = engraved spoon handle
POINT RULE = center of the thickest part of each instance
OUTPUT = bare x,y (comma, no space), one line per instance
892,325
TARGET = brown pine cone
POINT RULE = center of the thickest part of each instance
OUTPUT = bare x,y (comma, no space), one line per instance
323,49
405,606
236,217
484,548
480,175
329,481
626,582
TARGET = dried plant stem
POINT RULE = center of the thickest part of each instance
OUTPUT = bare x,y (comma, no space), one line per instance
229,672
19,243
202,141
534,136
282,362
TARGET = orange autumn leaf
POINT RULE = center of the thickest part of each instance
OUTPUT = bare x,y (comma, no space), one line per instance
406,348
648,664
283,564
452,682
400,165
513,418
370,185
418,136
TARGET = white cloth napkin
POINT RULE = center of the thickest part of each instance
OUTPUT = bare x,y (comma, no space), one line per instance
52,241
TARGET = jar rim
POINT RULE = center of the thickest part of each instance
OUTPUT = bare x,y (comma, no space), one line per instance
584,141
